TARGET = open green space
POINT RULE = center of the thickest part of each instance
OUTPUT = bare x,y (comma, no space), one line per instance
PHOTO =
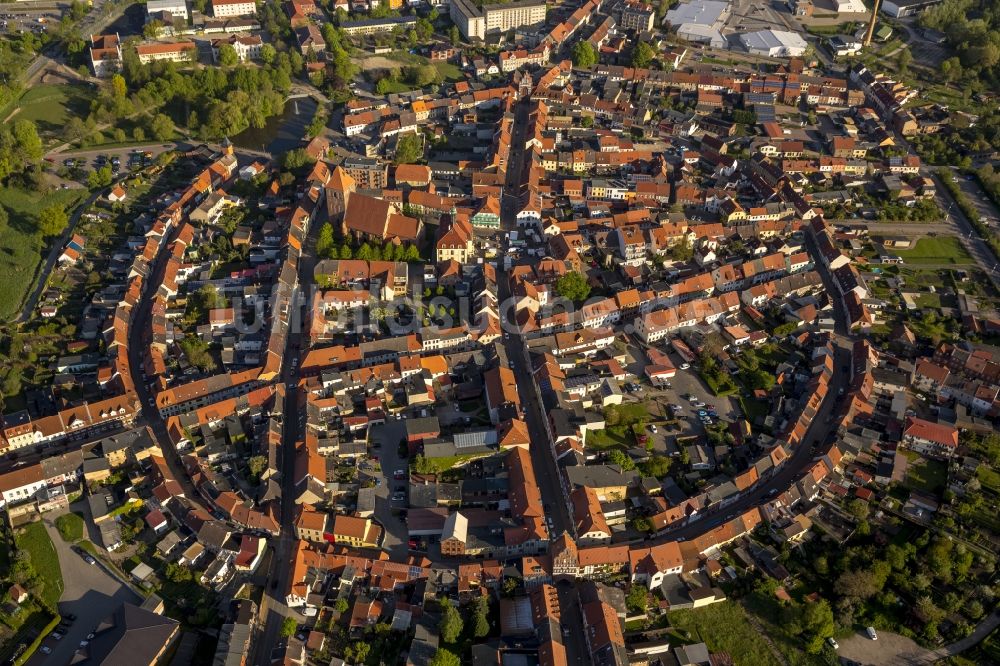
622,422
449,72
724,627
70,526
924,474
937,250
35,540
989,478
20,245
769,612
51,106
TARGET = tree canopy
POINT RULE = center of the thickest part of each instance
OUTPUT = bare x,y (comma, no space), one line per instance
573,286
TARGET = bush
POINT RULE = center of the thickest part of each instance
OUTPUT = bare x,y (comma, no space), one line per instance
70,527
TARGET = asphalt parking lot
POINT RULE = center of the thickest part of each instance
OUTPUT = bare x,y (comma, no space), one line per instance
89,592
889,650
388,435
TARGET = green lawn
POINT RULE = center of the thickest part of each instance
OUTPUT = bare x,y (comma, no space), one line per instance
449,72
20,247
51,106
925,474
34,539
937,250
989,478
724,627
606,439
70,526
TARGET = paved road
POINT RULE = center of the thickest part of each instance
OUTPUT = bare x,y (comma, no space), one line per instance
90,593
54,252
273,609
138,342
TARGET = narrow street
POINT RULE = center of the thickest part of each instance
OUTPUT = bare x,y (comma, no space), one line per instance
272,608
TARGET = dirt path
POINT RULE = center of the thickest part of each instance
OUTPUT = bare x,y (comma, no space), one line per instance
767,639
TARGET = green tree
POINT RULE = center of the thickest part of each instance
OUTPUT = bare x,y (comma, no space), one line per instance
341,605
903,60
161,126
196,351
480,618
620,458
257,465
573,286
643,55
451,623
951,69
409,149
454,35
444,657
357,652
637,598
642,524
657,466
682,250
118,86
584,55
268,54
288,627
587,121
227,55
52,220
324,244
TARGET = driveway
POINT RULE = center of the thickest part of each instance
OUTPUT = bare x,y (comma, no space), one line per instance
89,593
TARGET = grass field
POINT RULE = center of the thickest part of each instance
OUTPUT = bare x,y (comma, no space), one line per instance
20,247
925,474
725,627
989,478
938,250
51,106
36,541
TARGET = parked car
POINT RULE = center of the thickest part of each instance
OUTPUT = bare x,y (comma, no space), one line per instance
685,366
871,633
833,643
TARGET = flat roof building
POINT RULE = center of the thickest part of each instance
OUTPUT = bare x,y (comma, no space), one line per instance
774,43
476,21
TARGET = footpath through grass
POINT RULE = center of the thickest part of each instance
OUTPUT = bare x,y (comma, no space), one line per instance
35,539
51,106
20,245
